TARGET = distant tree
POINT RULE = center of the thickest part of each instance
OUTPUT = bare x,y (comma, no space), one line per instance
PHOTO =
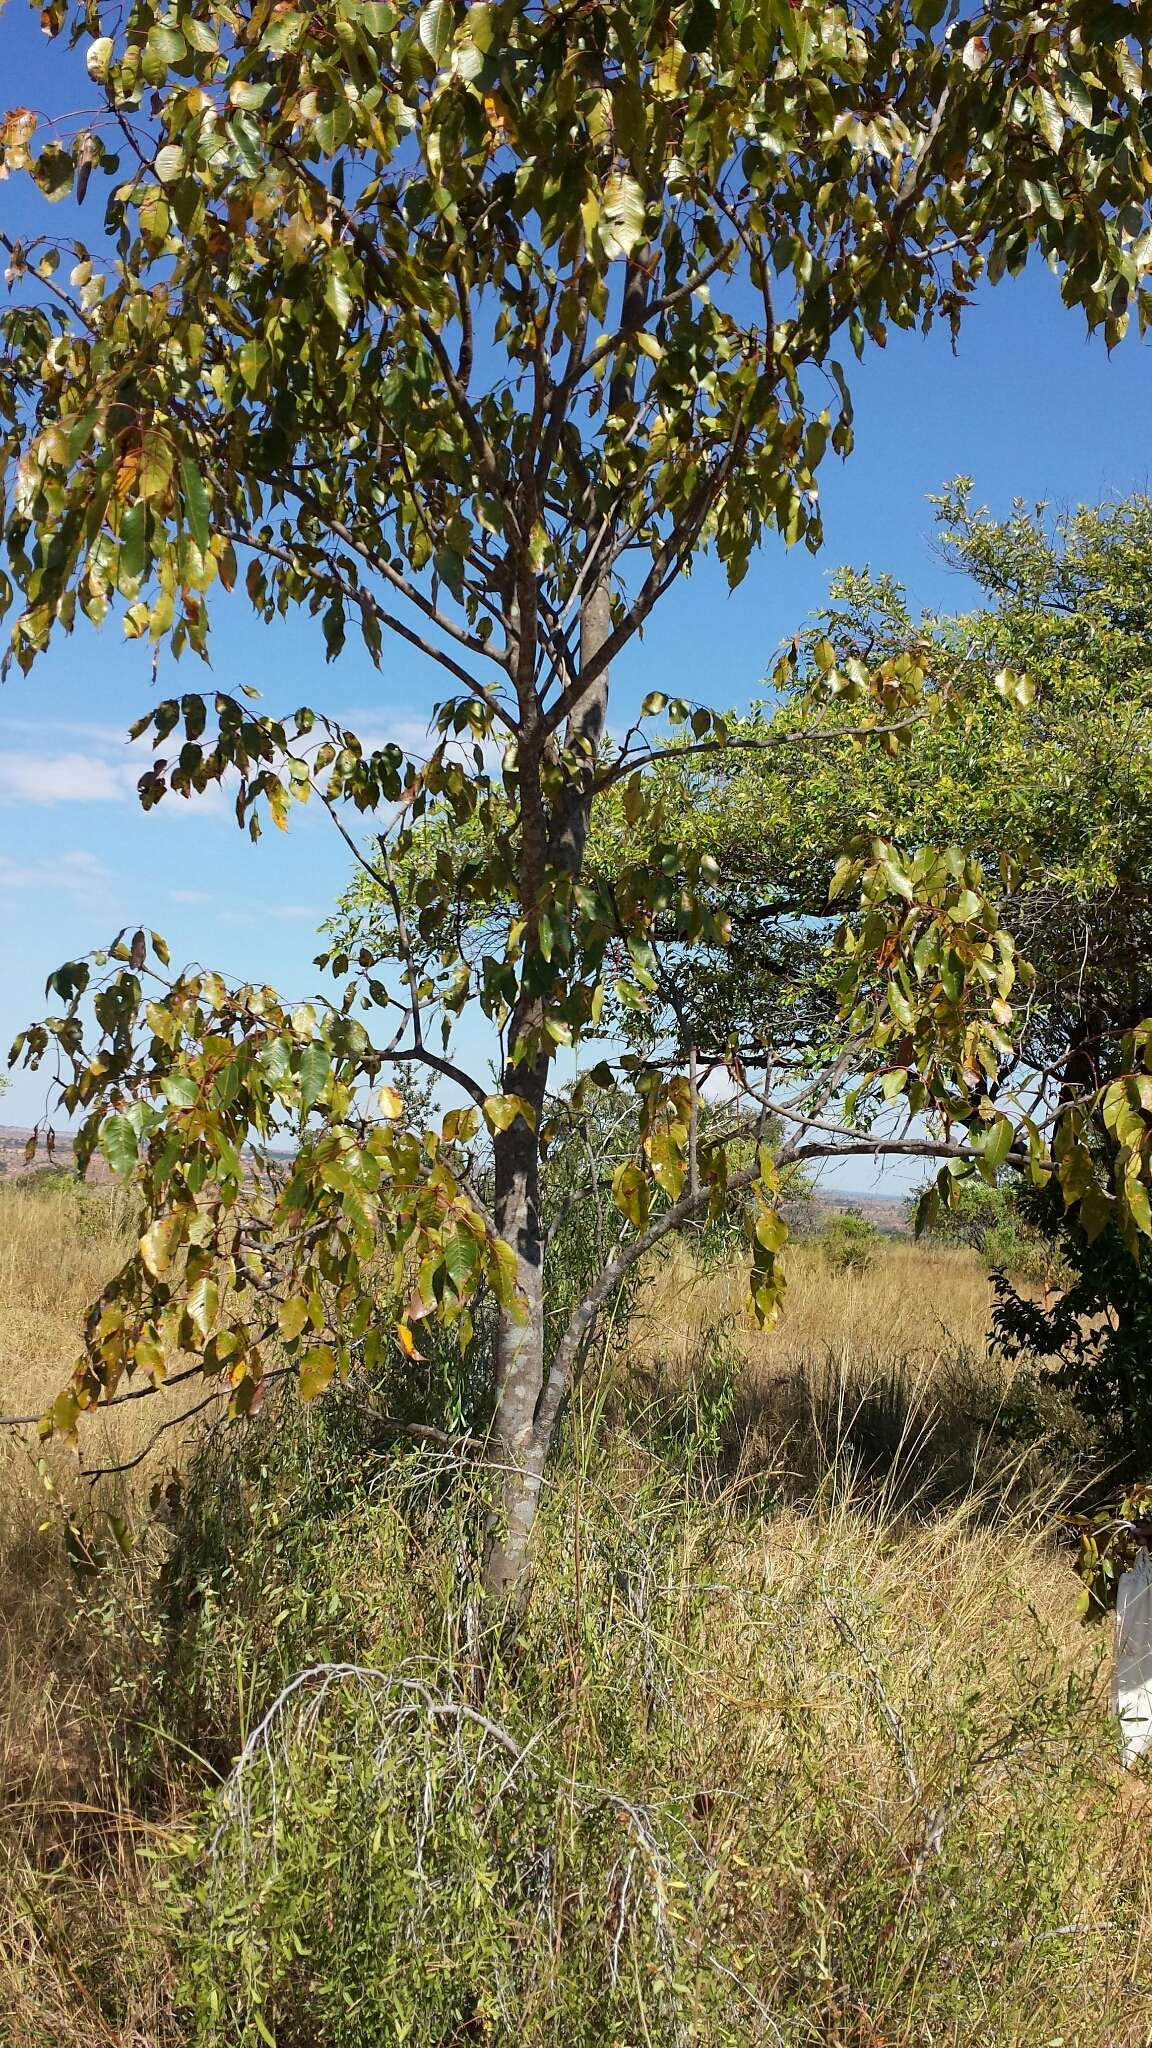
472,326
1053,795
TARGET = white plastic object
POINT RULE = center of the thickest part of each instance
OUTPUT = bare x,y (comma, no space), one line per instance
1132,1681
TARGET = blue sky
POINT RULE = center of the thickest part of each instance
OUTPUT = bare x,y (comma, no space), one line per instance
1028,407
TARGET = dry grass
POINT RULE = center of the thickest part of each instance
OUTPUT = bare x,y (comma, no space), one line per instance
66,1811
925,1843
915,1303
881,1375
58,1246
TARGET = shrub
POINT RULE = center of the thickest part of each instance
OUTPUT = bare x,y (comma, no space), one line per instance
849,1242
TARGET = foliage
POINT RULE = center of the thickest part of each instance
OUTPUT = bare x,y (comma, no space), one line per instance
1004,1225
1110,1541
473,327
848,1242
1052,795
1094,1336
501,1893
796,1701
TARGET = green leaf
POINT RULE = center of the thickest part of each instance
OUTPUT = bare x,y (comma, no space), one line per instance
314,1068
998,1143
167,44
1095,1212
253,361
54,171
1051,120
133,545
461,1258
118,1144
337,296
1077,98
436,29
195,504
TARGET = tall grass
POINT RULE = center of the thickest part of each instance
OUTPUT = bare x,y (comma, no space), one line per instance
799,1743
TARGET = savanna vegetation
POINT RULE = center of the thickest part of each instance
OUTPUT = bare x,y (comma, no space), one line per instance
800,1738
490,1575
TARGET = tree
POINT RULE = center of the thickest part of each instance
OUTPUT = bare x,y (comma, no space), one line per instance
473,326
1060,787
1053,795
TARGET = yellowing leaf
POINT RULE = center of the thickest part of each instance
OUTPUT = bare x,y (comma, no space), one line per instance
391,1104
203,1305
150,1358
97,59
292,1318
502,1111
407,1342
622,224
631,1194
156,464
771,1230
156,1246
436,28
316,1369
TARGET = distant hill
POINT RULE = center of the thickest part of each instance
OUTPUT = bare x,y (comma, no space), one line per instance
890,1213
13,1146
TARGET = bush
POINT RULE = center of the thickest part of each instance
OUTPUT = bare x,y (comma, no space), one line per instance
849,1242
723,1790
1001,1224
748,1774
1095,1339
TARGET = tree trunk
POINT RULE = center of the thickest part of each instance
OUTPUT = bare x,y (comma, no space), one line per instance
513,1453
520,1438
524,1420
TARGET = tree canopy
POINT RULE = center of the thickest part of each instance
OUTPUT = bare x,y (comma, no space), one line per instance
1053,794
472,326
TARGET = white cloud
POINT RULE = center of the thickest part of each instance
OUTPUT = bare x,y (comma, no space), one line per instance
249,913
74,778
64,779
69,728
74,874
261,913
